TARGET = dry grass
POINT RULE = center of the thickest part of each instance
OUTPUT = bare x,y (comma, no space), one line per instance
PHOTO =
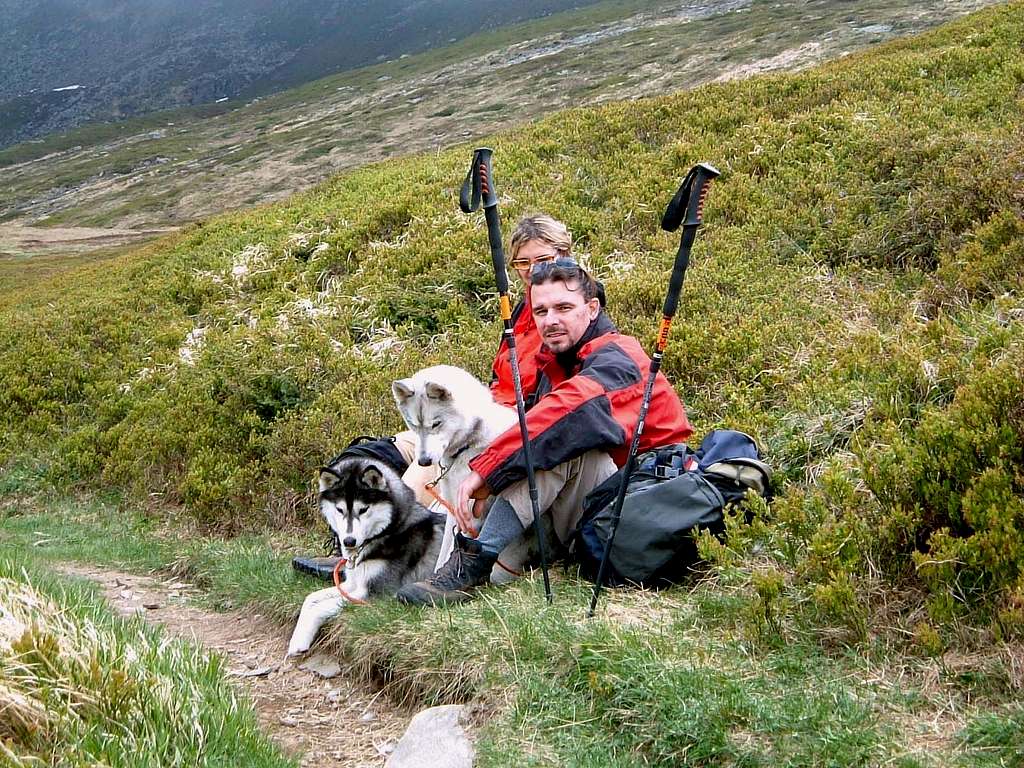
78,688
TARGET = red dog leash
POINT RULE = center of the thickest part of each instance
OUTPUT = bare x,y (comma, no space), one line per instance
429,488
337,582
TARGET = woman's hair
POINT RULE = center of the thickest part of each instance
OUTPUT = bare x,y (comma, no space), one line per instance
540,227
566,270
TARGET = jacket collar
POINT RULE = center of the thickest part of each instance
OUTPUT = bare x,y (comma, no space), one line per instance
602,325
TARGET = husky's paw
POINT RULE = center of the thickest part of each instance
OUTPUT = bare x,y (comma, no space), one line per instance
302,638
316,609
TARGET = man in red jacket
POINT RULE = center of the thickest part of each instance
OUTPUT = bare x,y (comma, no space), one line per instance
587,395
536,239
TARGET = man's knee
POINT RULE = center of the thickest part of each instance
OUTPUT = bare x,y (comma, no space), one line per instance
561,491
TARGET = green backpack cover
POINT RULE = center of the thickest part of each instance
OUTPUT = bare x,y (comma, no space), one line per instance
672,493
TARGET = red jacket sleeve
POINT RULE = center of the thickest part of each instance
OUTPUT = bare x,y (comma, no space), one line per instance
573,418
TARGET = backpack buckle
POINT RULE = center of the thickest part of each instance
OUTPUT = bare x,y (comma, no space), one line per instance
665,472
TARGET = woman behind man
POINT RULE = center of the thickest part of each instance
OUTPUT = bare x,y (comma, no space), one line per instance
535,240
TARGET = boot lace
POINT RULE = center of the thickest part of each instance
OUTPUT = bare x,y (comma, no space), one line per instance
451,574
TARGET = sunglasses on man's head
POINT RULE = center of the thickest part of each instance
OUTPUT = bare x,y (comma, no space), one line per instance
522,263
566,264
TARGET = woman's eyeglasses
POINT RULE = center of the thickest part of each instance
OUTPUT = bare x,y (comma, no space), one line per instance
521,263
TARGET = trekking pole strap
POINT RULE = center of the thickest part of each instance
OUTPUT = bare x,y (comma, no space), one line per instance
685,202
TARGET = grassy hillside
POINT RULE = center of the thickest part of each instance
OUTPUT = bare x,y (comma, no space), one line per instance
854,302
175,167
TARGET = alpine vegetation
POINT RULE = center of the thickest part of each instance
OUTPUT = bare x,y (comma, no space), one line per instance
854,303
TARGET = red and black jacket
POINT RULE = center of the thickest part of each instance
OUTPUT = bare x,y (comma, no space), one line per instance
528,343
592,406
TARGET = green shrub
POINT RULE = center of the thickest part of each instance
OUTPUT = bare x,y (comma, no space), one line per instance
951,490
853,301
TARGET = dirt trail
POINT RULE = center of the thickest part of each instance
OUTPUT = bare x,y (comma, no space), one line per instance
327,722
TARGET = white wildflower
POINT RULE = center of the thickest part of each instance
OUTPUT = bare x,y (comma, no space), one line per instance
192,346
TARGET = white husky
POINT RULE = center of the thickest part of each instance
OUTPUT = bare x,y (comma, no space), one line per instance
455,418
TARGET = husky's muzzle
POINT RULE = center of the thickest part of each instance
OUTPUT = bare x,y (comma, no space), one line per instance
350,552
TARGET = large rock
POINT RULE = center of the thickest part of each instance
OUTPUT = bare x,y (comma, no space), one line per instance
434,739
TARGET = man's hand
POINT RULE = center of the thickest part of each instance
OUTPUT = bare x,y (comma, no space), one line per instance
469,505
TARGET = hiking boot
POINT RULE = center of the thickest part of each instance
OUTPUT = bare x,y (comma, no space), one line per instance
320,566
468,567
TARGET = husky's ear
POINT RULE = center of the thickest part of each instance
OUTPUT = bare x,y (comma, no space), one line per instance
328,478
374,478
401,390
437,391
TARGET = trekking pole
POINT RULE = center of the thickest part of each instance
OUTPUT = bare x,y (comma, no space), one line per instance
476,189
688,200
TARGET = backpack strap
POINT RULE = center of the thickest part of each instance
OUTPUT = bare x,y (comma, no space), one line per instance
370,447
670,461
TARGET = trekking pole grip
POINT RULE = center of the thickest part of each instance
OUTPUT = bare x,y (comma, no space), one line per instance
483,160
689,200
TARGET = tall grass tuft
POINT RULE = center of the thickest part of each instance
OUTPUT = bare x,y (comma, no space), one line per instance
78,687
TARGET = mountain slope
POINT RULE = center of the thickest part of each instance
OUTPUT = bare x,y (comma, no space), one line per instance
855,302
64,63
174,168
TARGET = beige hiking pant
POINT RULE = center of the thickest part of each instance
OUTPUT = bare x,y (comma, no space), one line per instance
561,491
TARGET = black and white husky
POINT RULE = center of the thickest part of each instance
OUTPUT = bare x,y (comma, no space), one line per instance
387,538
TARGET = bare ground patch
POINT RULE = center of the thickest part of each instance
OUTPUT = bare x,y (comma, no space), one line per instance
20,240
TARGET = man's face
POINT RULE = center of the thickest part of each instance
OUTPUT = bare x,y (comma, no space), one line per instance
562,314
